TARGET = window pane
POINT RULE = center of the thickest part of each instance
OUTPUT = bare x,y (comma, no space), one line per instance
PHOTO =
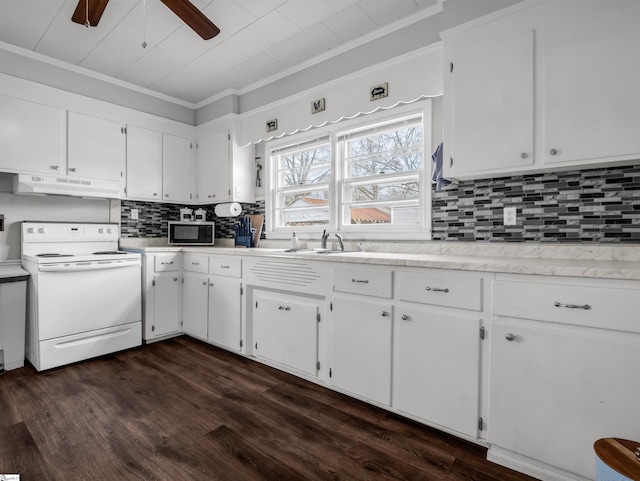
305,217
306,166
303,199
396,150
384,191
383,214
311,174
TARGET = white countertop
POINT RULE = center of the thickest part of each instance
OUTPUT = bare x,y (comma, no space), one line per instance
10,272
587,261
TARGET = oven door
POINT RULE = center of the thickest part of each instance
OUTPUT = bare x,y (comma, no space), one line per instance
79,297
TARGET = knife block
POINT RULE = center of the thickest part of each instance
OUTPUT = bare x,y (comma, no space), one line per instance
243,241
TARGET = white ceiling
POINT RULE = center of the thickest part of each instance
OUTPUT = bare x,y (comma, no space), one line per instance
259,39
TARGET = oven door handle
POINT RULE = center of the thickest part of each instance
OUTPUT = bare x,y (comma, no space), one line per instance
88,266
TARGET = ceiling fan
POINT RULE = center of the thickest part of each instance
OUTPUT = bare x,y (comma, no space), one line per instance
89,12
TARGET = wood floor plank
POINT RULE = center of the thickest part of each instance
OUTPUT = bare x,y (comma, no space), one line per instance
181,409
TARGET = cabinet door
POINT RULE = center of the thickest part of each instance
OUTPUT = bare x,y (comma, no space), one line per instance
286,330
96,147
195,305
438,370
213,166
20,123
144,163
591,69
178,168
166,319
554,391
225,314
361,348
492,104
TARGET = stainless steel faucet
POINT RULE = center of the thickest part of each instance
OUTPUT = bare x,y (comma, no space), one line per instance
339,237
323,241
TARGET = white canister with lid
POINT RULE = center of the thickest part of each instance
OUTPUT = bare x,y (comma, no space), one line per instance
186,214
200,215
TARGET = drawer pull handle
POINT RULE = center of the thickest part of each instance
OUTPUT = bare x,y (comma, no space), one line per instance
384,313
510,337
195,263
166,263
572,306
405,317
436,289
284,308
224,267
361,281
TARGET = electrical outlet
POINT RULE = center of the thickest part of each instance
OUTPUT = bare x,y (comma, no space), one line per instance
134,214
510,215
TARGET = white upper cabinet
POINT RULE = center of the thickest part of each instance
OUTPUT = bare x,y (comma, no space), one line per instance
591,79
144,163
542,86
95,147
22,121
492,119
178,169
225,170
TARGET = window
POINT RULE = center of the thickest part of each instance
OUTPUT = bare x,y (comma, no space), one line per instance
363,178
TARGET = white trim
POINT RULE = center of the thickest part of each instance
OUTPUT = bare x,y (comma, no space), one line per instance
529,466
334,52
90,73
380,232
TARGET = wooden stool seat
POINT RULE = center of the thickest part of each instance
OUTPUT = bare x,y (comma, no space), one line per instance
617,457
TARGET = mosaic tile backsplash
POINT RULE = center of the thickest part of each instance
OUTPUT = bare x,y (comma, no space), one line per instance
153,218
596,205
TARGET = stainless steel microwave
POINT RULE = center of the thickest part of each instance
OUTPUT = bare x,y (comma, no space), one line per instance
192,233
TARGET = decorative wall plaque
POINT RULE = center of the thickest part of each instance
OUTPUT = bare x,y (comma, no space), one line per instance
379,91
317,106
272,125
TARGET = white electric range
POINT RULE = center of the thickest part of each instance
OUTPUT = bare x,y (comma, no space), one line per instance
85,296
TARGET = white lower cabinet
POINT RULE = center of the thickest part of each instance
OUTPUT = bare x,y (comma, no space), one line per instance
361,347
438,367
162,295
285,330
225,312
166,305
564,372
195,304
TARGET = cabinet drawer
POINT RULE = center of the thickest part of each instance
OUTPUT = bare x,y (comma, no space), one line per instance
599,305
226,266
167,262
440,290
196,262
362,280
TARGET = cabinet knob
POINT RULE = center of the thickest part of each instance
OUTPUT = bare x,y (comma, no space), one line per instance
72,169
523,155
510,337
55,167
210,285
166,195
175,279
405,317
155,193
205,283
553,151
384,313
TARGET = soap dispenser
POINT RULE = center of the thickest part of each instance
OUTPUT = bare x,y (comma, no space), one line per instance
294,243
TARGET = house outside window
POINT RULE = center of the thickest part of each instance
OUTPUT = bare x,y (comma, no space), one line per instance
365,178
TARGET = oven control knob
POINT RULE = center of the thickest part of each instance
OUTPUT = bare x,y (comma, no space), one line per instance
108,231
31,230
101,230
42,230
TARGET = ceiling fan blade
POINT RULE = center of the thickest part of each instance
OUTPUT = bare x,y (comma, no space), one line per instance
96,7
193,17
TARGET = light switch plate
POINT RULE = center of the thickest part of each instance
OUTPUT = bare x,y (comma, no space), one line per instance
134,214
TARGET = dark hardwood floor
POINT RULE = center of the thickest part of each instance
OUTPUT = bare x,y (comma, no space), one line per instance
183,410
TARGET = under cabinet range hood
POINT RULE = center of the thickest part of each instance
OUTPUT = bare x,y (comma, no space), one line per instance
30,184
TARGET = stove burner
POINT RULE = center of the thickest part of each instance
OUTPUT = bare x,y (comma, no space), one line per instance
54,254
100,253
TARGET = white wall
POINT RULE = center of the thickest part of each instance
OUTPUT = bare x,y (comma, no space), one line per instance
17,208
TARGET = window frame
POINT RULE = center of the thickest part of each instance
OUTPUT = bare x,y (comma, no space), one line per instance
421,231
